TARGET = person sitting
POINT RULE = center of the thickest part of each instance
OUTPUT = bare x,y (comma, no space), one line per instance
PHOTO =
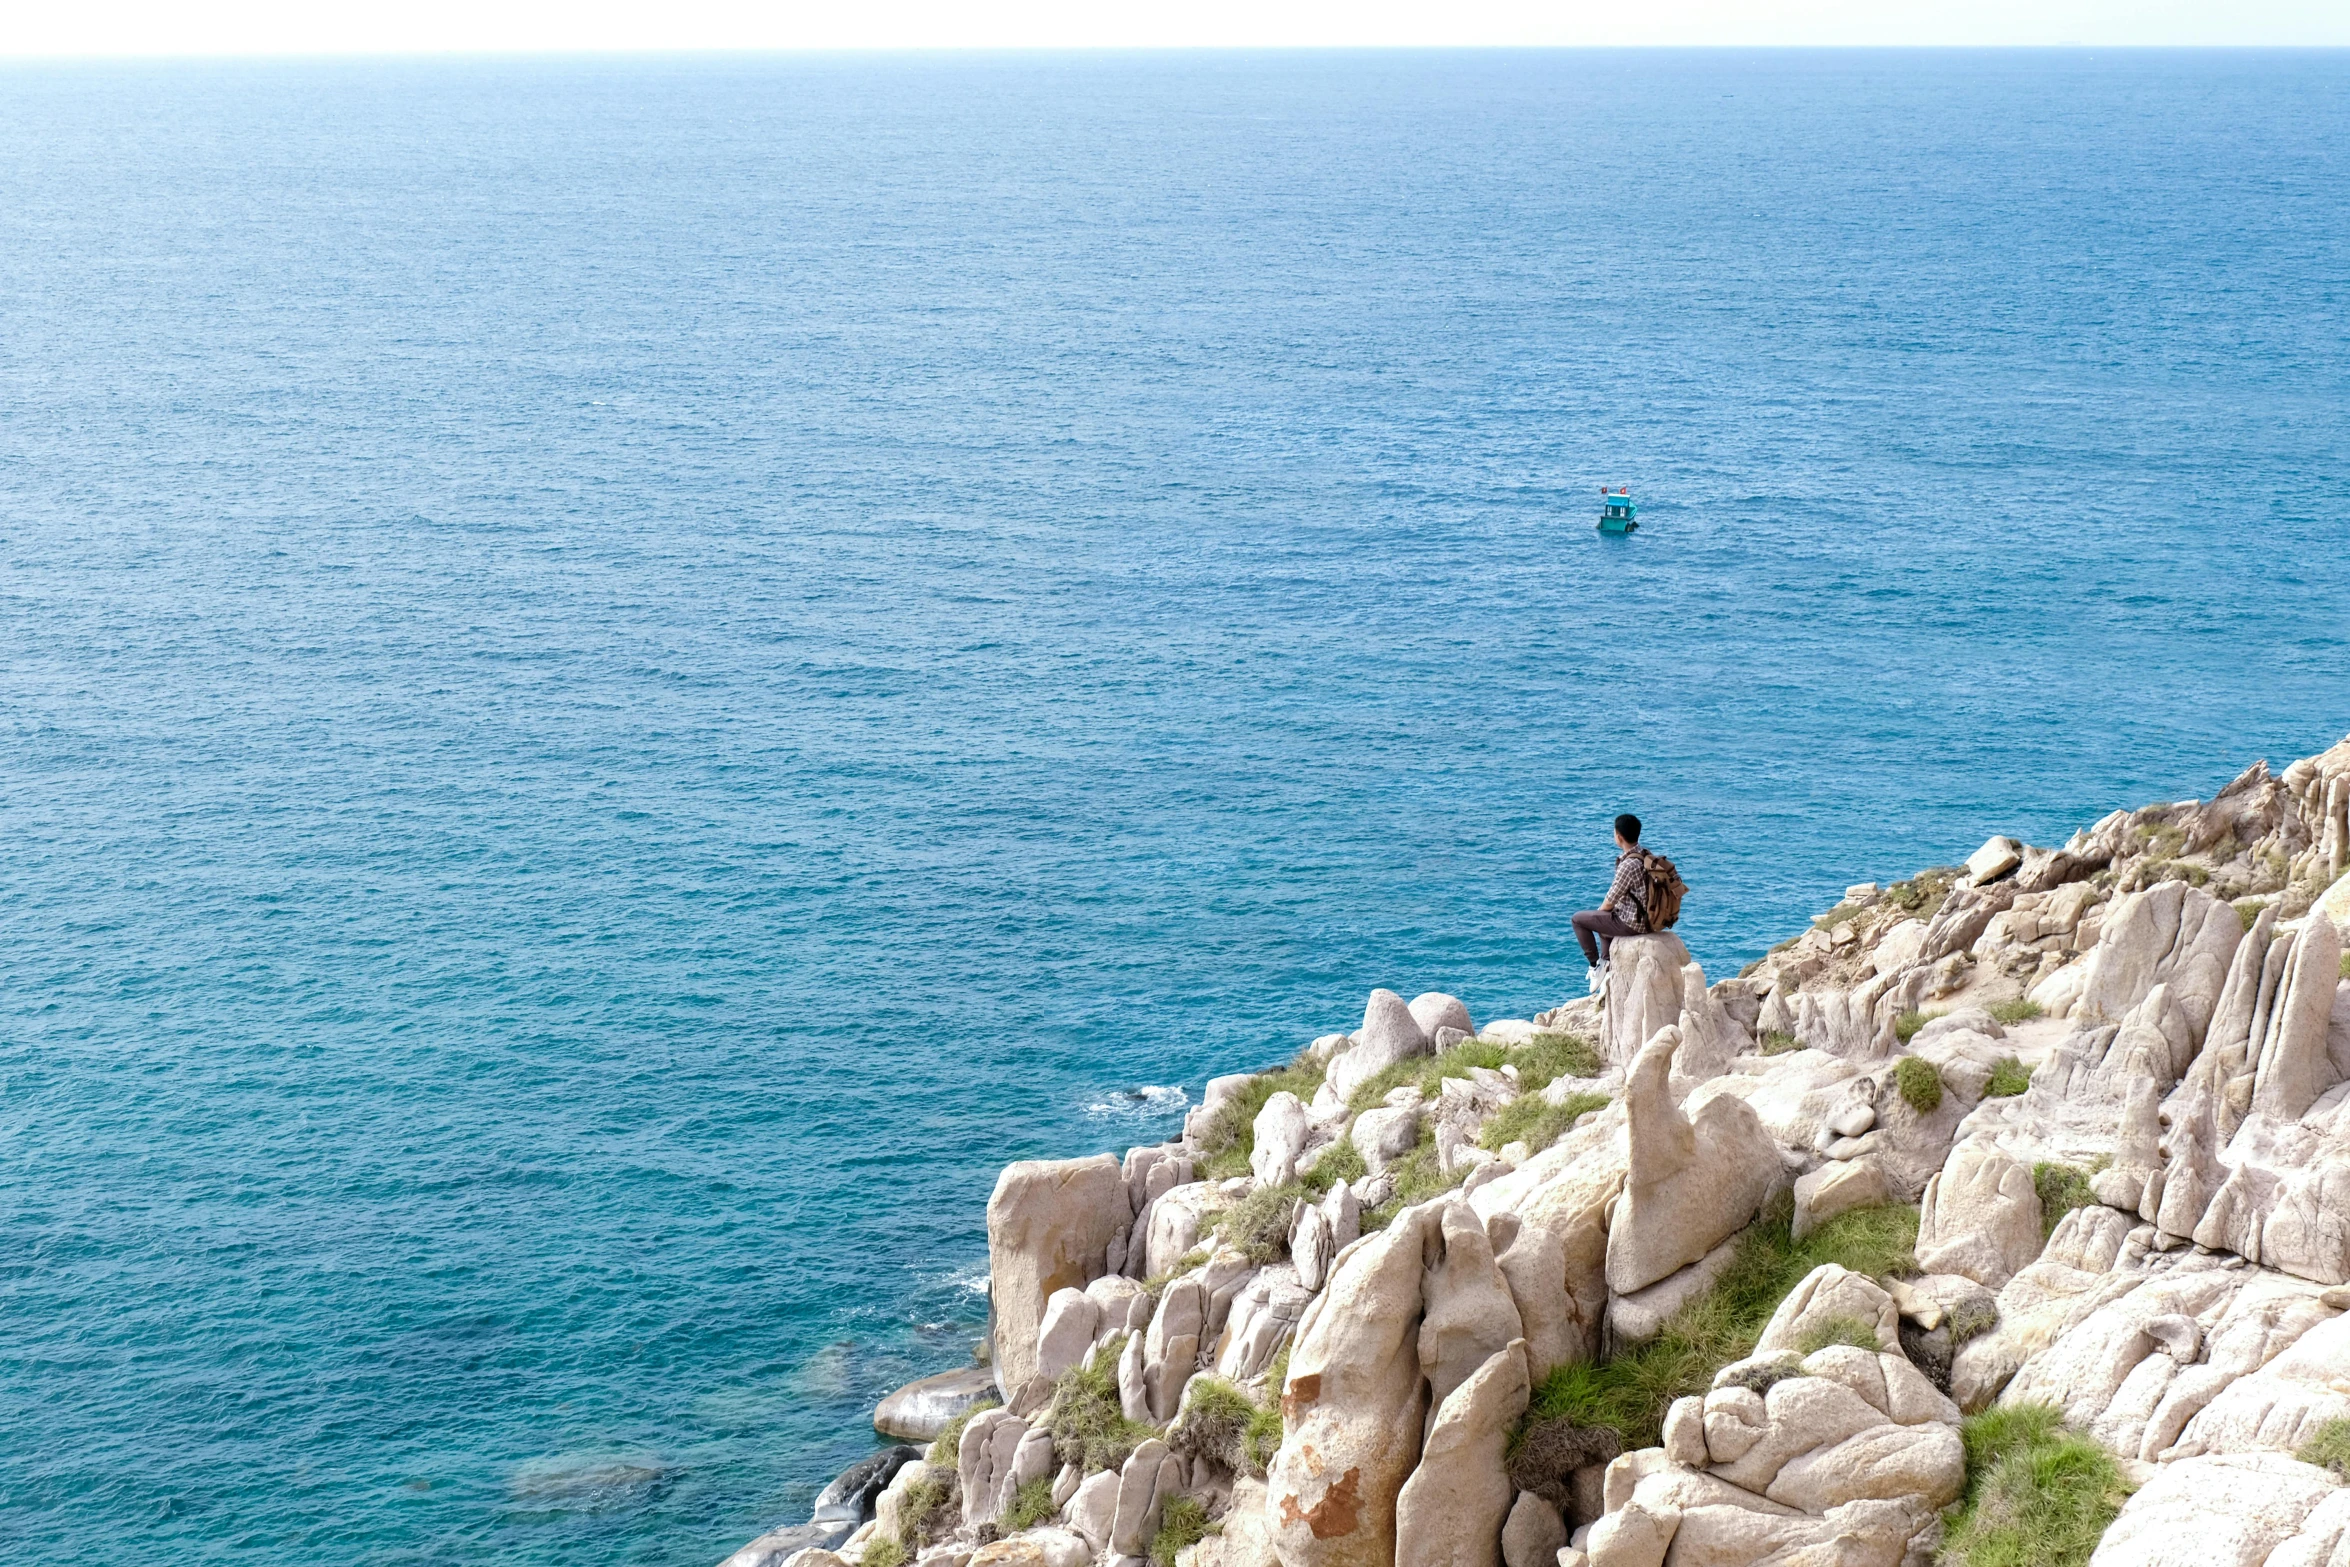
1623,912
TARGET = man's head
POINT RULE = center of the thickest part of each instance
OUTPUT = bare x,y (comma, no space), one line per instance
1627,829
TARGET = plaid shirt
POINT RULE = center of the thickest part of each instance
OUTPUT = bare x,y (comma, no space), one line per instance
1626,894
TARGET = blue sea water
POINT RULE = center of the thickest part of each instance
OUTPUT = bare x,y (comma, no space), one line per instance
623,676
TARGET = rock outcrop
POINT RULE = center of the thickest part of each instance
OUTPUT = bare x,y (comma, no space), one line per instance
2180,1111
1694,1178
1050,1225
1353,1405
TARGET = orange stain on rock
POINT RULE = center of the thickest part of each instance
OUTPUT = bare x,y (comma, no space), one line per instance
1301,1394
1337,1513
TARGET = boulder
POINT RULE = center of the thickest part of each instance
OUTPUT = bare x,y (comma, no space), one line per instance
1836,1188
2294,1065
1993,860
1533,1535
1980,1217
1451,1511
2235,1510
988,1445
1245,1537
924,1407
2170,934
1635,1535
1034,1548
1174,1224
1385,1135
1219,1092
1134,1387
1094,1509
1353,1404
1468,1315
1824,1294
795,1543
1389,1034
1434,1009
1050,1223
1640,1316
1171,1348
1643,992
1845,1023
1151,1475
1694,1180
889,1506
1281,1132
854,1494
1711,1039
1554,1260
1310,1246
1072,1319
1898,948
1264,1316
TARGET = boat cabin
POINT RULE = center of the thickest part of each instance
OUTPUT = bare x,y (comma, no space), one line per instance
1617,514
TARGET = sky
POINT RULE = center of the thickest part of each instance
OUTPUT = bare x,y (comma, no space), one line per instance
29,28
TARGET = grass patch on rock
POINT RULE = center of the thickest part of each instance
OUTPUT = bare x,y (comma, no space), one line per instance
2017,1009
2062,1188
1088,1423
1183,1521
1258,1225
1775,1043
1906,1026
1921,896
883,1550
1221,1422
1629,1393
1230,1136
1838,1330
2329,1449
1417,1178
1546,1058
1920,1084
1534,1121
928,1510
1156,1284
1341,1161
1426,1073
1539,1061
947,1448
1031,1505
2008,1078
2038,1494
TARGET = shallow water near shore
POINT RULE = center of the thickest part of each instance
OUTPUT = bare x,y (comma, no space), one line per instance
623,677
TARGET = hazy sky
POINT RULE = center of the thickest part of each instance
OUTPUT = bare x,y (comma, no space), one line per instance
150,27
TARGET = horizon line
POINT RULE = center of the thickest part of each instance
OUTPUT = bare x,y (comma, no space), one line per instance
775,51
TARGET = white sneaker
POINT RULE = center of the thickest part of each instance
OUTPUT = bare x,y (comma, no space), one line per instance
1598,978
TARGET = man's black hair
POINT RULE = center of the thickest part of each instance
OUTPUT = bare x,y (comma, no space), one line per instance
1628,827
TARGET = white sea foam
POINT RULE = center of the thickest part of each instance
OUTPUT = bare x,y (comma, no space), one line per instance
1148,1102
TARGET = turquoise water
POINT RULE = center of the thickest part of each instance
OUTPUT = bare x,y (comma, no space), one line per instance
623,677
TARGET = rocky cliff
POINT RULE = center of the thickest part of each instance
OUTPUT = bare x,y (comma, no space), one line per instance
2002,1215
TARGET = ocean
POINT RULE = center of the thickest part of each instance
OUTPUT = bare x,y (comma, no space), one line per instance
623,676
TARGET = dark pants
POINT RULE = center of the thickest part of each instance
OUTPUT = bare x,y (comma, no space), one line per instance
1598,923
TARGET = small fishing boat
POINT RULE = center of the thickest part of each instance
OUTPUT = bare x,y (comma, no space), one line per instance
1617,514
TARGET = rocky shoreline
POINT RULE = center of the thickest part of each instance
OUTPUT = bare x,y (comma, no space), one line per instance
2001,1215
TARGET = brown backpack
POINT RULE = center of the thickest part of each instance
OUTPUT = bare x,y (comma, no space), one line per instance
1660,896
